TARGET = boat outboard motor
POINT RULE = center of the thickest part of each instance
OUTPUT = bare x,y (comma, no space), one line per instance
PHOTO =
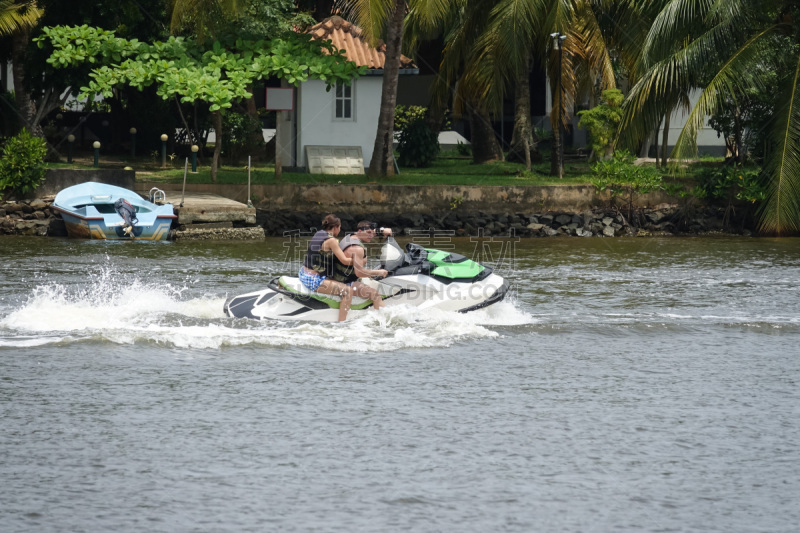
128,214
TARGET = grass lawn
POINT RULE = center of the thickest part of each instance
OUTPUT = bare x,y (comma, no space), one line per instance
446,170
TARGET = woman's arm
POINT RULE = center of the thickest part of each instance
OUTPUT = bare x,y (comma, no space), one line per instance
332,245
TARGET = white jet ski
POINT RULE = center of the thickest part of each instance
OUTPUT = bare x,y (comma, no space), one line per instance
418,277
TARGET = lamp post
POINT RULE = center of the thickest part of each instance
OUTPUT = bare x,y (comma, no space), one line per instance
558,44
96,146
70,141
133,142
164,149
195,148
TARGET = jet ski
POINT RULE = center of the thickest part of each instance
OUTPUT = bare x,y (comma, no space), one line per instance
419,277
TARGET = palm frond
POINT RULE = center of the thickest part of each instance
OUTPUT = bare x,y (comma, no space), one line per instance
780,212
730,80
369,15
14,16
681,71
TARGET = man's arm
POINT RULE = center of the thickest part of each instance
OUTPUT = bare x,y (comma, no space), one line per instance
360,263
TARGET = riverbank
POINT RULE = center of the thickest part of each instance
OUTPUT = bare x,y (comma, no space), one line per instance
36,217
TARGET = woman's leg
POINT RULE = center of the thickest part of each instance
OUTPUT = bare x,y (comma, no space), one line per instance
338,289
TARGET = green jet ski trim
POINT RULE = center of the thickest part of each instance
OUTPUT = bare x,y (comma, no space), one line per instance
324,299
453,266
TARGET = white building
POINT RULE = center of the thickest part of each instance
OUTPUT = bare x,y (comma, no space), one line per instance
337,126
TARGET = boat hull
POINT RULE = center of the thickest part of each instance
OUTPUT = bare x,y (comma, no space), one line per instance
88,213
98,228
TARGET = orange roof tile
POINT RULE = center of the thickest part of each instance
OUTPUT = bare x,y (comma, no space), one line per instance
347,37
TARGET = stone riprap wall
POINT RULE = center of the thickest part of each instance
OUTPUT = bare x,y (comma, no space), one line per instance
30,217
35,217
599,222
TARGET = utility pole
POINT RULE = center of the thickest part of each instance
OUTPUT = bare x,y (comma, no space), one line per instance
558,44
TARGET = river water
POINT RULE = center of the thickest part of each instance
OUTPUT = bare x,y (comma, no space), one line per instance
625,385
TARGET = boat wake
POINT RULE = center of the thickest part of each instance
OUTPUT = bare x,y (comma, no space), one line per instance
108,309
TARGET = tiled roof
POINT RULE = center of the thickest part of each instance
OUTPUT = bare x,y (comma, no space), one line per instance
347,37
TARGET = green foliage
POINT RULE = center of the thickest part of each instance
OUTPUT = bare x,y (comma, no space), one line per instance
241,129
418,145
750,114
624,180
405,115
602,121
463,149
218,75
22,166
729,183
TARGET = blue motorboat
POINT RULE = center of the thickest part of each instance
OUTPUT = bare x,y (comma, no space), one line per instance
94,210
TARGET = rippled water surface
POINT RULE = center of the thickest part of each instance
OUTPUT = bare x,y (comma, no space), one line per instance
625,385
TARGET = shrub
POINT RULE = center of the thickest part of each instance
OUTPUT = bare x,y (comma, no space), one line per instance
418,146
730,183
22,167
601,122
406,115
622,179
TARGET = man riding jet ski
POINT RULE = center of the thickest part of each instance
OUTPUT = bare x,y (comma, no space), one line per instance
417,277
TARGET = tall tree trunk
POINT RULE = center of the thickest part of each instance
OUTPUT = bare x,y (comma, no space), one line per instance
737,132
658,145
382,162
665,138
485,146
217,120
644,151
523,144
255,137
27,107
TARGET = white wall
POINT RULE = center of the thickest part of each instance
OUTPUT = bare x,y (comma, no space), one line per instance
707,140
316,124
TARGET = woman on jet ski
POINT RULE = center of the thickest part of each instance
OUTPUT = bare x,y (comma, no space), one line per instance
319,264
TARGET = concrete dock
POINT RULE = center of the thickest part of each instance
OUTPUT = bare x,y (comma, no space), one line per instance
206,216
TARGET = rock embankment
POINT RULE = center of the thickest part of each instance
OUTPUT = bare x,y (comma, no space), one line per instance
36,217
664,220
30,217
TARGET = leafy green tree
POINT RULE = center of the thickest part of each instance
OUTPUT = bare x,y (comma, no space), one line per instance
602,123
183,69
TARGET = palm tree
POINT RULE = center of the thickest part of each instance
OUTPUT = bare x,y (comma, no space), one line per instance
723,46
519,30
17,20
385,18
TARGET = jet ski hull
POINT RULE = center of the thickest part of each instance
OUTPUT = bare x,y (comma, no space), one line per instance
421,278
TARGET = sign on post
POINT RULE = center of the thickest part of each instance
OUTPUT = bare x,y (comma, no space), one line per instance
280,99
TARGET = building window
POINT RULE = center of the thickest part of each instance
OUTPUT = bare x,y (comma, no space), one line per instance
343,109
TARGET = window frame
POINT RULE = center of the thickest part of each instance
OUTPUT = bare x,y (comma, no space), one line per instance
340,97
